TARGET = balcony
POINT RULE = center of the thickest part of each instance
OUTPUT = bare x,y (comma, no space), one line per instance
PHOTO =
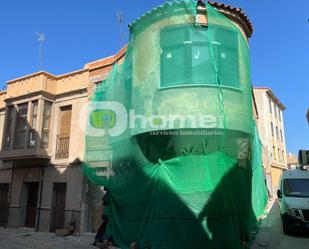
27,130
23,145
63,144
28,153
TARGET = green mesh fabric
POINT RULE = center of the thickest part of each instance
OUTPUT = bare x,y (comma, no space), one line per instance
187,184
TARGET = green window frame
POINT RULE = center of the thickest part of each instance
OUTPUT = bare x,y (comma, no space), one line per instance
186,60
227,56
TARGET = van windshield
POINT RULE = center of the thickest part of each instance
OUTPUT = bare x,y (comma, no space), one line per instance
296,187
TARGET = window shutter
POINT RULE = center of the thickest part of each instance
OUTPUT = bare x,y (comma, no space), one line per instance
227,56
65,125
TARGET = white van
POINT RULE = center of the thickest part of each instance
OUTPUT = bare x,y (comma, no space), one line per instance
294,201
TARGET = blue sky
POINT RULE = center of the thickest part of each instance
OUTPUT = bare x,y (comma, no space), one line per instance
81,31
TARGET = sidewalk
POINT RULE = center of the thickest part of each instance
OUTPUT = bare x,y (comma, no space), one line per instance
271,235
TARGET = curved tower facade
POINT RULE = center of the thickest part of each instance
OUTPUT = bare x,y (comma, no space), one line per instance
178,130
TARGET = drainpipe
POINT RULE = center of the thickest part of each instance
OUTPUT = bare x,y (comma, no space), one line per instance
11,187
41,180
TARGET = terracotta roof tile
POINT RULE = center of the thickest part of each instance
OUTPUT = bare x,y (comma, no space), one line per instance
220,6
238,11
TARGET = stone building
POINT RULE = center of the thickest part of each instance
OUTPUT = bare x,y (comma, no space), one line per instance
42,149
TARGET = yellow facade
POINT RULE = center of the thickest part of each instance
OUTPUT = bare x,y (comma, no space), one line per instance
271,131
276,173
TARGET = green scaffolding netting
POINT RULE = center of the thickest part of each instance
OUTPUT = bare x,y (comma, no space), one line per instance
175,140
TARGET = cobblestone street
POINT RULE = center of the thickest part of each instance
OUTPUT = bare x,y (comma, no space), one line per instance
270,237
28,239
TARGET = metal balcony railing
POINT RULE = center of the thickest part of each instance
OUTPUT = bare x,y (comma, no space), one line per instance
62,146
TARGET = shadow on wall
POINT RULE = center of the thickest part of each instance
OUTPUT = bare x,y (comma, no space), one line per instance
192,201
38,193
229,212
26,158
48,197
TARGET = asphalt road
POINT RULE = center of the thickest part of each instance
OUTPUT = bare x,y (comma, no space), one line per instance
271,235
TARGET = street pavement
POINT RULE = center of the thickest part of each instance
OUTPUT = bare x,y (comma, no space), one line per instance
25,238
271,235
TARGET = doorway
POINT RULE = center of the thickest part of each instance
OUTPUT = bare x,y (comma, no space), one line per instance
4,207
58,206
32,199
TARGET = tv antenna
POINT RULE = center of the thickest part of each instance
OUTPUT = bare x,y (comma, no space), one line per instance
41,39
120,20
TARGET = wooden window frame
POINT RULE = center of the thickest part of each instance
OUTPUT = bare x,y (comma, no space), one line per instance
46,116
9,128
18,130
32,129
63,139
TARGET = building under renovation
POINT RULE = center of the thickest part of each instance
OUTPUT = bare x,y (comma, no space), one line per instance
176,145
171,132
